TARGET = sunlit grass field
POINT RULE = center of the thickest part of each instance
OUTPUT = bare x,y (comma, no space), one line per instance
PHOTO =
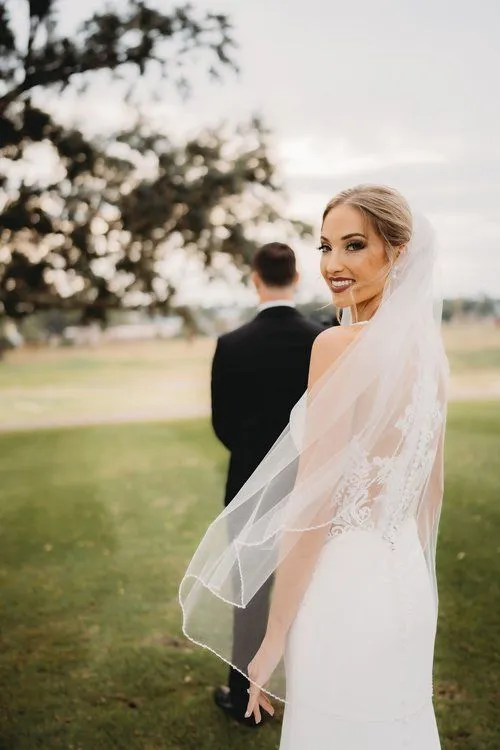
114,382
96,527
169,379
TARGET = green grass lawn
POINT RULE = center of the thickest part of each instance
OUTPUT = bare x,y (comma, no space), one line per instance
96,528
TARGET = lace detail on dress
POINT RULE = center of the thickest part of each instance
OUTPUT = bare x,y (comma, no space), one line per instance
391,484
353,494
419,426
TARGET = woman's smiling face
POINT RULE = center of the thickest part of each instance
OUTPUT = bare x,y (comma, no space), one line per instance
354,260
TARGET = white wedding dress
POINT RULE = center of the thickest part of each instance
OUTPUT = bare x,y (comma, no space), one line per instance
359,654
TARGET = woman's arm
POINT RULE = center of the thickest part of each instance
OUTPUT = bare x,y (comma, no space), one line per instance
294,573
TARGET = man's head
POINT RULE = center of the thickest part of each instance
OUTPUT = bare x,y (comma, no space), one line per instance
274,272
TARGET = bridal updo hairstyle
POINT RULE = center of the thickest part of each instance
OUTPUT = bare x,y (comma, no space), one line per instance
387,211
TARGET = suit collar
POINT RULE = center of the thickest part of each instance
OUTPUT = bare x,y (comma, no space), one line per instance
275,303
283,311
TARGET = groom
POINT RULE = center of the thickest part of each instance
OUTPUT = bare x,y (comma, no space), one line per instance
259,372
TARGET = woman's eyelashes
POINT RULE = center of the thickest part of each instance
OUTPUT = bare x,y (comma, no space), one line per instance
355,245
351,247
324,248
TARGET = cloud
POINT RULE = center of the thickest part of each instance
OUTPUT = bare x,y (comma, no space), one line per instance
393,92
321,158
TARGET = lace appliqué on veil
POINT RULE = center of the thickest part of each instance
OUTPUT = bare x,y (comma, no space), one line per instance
390,484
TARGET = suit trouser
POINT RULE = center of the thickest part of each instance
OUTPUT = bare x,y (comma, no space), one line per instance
249,629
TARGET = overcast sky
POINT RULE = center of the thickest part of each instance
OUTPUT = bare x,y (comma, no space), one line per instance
403,92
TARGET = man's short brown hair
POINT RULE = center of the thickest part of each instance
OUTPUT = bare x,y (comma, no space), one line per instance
275,264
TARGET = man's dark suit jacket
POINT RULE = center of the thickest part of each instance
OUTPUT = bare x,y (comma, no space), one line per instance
259,372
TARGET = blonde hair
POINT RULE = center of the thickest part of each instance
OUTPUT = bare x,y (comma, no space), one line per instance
387,211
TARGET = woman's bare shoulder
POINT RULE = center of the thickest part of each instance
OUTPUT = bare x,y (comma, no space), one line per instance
327,348
335,340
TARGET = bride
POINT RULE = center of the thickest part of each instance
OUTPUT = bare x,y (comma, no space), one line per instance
343,511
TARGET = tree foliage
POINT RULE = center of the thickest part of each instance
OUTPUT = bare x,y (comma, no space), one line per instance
100,234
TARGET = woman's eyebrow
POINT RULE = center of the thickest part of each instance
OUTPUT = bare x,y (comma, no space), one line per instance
353,234
345,237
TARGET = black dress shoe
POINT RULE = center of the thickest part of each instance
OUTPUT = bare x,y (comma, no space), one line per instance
222,698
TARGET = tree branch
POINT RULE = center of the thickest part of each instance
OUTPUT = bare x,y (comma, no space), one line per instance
59,62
